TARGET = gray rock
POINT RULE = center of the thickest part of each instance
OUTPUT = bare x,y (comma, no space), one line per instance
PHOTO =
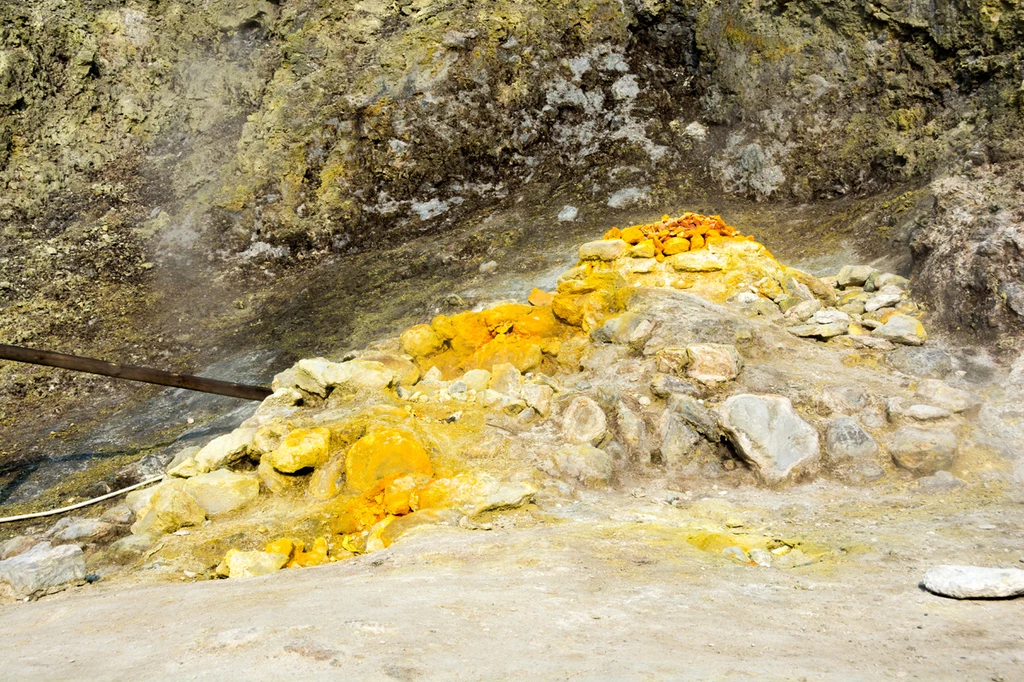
940,481
678,440
17,545
584,422
923,451
953,399
854,275
120,514
880,280
884,298
42,567
974,582
488,267
901,329
70,529
585,464
803,311
846,441
664,385
568,214
631,427
769,434
830,316
920,362
696,415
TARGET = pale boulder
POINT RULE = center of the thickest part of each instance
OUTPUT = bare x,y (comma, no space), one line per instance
713,363
769,434
222,490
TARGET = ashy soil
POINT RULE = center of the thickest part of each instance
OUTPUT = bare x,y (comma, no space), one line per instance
609,588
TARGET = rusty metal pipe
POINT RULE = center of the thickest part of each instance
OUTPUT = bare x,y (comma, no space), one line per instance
143,374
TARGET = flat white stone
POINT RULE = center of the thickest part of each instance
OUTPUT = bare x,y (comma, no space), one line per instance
975,582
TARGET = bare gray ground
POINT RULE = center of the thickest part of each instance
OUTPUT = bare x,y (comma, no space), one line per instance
606,589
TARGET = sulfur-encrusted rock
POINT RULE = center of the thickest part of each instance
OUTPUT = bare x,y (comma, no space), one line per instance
302,449
901,329
170,507
476,380
358,374
384,453
584,422
222,490
506,379
307,375
713,363
420,341
698,261
224,450
603,249
923,451
770,435
253,564
41,567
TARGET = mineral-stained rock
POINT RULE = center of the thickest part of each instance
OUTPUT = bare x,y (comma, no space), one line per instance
889,295
471,494
584,422
804,310
672,361
941,394
41,567
383,453
846,441
770,435
222,490
239,564
974,582
713,363
603,249
225,450
664,385
538,396
901,329
631,426
584,463
405,372
137,500
844,399
302,449
169,508
923,451
183,464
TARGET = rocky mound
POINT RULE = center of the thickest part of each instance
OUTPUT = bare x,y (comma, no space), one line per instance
709,362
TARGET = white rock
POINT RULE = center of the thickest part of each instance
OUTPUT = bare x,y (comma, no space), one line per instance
924,413
538,396
568,214
974,582
222,490
224,450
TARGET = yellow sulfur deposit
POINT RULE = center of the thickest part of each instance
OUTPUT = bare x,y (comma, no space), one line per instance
384,453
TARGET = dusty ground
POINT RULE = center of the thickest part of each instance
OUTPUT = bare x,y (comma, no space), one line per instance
606,589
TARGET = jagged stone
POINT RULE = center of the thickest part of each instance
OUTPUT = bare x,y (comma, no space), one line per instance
17,545
847,442
224,450
770,435
678,440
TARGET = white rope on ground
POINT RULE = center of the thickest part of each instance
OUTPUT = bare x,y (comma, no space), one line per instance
79,505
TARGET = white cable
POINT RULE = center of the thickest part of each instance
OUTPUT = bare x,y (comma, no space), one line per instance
79,505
